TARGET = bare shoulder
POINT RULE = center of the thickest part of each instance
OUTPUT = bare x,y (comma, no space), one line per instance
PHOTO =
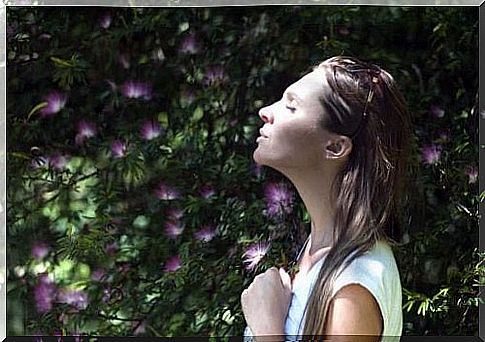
354,311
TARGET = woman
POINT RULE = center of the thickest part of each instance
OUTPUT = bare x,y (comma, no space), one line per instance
341,134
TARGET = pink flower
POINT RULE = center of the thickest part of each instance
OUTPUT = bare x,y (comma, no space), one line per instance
136,90
205,234
40,250
150,130
431,154
55,102
77,299
111,249
233,122
472,173
436,111
256,169
254,253
45,36
59,333
165,192
190,45
343,30
105,21
98,274
173,229
140,327
44,294
58,161
118,149
279,199
207,191
172,264
214,75
124,60
123,267
77,336
85,130
175,214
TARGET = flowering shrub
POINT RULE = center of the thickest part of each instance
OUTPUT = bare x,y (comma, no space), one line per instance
134,207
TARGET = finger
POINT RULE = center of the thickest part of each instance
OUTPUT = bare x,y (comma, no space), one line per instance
285,278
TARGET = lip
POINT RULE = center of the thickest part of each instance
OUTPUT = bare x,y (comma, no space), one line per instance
261,132
260,138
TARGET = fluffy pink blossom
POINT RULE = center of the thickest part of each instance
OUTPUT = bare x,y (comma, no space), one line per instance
85,130
136,89
436,111
175,214
431,154
214,75
256,169
173,228
190,45
77,299
172,264
150,129
55,102
98,274
44,294
40,250
472,173
207,191
140,327
124,60
105,21
206,233
279,199
254,254
165,192
118,149
111,249
58,161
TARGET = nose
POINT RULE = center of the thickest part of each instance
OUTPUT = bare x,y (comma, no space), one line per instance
266,115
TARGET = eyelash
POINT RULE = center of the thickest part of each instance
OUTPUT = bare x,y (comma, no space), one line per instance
291,108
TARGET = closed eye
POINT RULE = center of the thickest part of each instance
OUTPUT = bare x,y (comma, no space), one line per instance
292,109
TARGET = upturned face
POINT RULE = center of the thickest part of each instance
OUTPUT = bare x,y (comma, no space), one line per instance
292,136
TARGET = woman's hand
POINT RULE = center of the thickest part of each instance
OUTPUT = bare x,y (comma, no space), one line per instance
266,301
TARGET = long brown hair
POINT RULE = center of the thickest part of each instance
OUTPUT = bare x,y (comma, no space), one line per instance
362,102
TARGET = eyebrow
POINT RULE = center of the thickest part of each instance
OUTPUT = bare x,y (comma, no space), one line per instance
293,96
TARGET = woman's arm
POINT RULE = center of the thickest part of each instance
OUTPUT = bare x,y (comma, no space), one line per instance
354,311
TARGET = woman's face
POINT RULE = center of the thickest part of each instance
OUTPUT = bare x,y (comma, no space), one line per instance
292,135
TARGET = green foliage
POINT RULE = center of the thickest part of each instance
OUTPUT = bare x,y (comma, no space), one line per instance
104,199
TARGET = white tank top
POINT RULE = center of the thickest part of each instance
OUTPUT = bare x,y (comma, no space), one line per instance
376,270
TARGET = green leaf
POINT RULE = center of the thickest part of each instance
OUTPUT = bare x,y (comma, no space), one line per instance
198,114
141,221
37,108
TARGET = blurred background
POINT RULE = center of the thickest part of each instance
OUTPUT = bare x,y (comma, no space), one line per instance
134,206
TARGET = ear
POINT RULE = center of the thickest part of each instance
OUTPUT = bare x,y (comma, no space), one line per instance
338,147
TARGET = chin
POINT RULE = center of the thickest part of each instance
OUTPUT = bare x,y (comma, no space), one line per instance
257,157
262,159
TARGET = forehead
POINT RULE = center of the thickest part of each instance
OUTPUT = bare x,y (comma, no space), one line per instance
310,86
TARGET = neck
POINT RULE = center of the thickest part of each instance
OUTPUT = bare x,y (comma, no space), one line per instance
314,185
